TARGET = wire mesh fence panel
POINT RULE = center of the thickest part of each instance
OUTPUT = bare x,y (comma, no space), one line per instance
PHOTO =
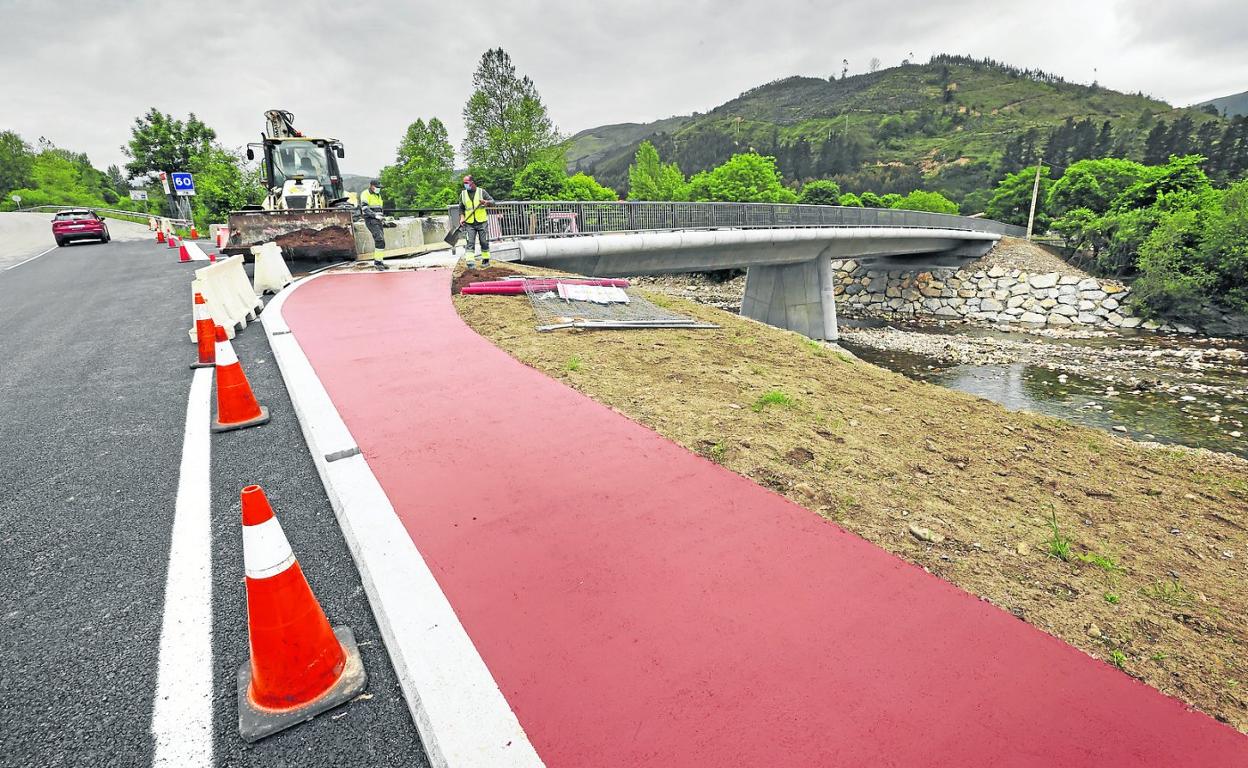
551,309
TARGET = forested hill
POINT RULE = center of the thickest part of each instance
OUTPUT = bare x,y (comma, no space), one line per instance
1231,106
953,125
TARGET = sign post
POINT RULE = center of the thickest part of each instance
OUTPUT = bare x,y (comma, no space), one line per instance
183,184
18,199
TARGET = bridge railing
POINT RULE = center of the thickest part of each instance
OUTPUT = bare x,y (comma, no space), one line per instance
525,219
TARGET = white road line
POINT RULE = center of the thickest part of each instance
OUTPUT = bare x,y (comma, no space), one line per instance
182,710
32,258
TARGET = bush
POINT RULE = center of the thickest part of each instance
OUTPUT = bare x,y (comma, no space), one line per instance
582,186
744,178
820,192
540,180
932,202
849,200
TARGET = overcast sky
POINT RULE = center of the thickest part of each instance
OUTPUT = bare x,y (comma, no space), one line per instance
78,72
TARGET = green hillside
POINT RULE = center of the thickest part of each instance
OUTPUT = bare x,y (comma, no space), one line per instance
952,125
1231,106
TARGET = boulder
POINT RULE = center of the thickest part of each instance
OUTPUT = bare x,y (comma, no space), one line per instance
1112,287
1114,319
1131,322
877,284
1060,320
1084,305
1064,310
1016,301
1086,318
1092,295
1048,303
1089,284
1032,317
997,271
1067,280
991,305
1047,280
1109,303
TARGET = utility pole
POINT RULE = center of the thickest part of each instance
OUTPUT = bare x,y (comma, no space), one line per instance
1035,193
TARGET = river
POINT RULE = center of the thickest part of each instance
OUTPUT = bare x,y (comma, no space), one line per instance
1168,389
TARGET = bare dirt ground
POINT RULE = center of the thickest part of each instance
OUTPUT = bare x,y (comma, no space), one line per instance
1136,554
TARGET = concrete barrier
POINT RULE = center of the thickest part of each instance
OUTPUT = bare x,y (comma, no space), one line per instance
231,300
271,273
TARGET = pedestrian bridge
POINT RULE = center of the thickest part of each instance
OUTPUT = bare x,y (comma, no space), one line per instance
787,250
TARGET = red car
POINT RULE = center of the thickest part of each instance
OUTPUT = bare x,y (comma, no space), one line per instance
79,224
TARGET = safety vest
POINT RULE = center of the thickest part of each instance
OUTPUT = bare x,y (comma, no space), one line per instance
371,199
474,206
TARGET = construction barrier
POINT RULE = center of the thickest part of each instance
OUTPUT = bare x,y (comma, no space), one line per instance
232,302
271,272
194,251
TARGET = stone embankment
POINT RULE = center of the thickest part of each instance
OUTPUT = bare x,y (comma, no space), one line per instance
991,294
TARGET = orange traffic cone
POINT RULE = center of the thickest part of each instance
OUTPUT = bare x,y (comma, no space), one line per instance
172,240
205,334
183,254
212,258
299,665
223,234
160,235
236,405
194,234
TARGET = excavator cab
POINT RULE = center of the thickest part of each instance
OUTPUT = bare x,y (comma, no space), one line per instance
305,209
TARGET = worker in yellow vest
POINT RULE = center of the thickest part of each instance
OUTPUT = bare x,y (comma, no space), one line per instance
474,221
370,206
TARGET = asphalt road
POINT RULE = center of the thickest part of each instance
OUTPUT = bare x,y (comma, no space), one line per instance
93,398
23,235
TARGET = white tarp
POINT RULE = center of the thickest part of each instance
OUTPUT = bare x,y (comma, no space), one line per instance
598,294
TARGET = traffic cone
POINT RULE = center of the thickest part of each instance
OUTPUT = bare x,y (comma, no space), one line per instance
223,234
194,234
236,405
299,665
183,254
205,334
160,235
212,258
172,240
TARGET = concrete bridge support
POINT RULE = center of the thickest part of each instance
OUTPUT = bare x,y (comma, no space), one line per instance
798,297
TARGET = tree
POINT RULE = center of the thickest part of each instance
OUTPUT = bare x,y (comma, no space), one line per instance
849,200
542,179
1011,200
507,124
222,184
743,178
16,161
651,179
932,202
158,142
820,192
582,186
875,63
423,173
1093,184
117,180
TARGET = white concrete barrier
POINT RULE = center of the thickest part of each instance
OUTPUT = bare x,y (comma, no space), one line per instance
194,251
231,300
271,272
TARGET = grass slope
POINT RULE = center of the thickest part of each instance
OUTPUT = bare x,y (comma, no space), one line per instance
1117,548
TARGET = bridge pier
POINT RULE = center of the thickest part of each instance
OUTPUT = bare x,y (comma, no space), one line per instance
799,297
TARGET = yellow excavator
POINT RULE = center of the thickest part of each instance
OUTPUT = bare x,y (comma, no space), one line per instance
305,209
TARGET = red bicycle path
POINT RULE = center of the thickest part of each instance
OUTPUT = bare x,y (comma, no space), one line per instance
640,605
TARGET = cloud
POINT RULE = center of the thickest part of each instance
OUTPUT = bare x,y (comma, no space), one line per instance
361,73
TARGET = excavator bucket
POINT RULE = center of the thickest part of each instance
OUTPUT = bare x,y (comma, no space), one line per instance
317,235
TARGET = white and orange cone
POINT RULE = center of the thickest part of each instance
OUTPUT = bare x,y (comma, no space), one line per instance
205,334
299,665
223,235
194,233
172,240
236,404
160,235
184,255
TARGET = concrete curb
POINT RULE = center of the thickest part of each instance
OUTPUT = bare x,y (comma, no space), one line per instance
462,716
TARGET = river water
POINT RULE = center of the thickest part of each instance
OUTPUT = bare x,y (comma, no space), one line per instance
1168,389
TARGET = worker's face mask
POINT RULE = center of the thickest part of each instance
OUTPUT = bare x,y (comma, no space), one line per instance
467,186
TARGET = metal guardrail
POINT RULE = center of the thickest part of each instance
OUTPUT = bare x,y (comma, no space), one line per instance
105,211
526,219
